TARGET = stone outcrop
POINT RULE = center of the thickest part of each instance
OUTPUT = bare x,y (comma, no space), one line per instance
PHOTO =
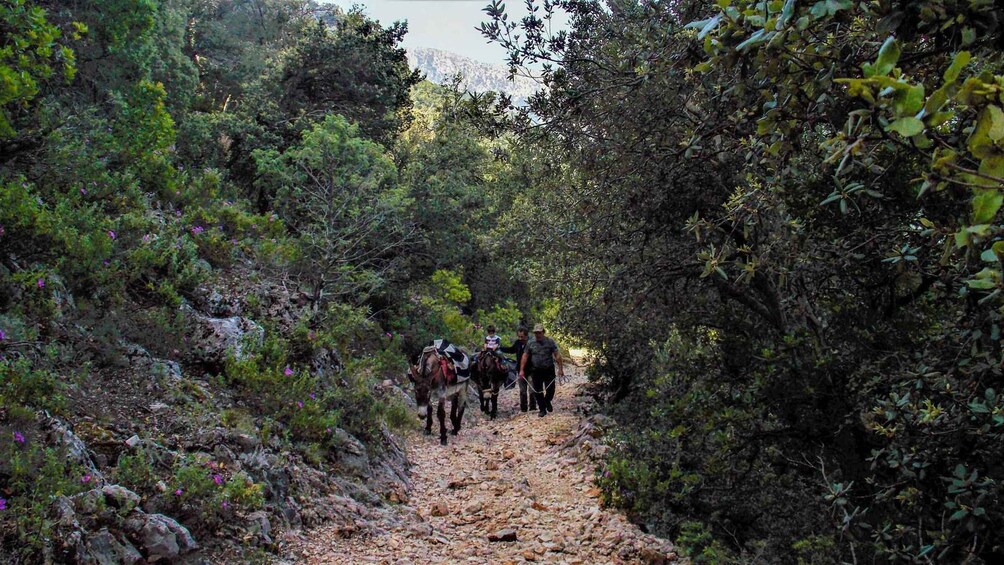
106,525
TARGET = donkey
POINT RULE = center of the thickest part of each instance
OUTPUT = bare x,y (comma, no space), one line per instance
431,384
490,375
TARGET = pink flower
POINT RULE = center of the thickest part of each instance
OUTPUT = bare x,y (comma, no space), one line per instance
41,283
224,505
329,430
18,437
388,334
178,492
218,479
197,230
83,191
3,504
86,478
146,238
288,372
299,403
3,335
111,234
313,396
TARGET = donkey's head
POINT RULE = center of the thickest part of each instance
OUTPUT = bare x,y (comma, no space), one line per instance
423,376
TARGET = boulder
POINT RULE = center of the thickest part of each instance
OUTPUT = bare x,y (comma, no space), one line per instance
159,536
104,549
260,528
212,302
352,455
120,497
59,433
213,339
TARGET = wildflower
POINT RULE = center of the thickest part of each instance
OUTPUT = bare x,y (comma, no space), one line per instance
146,238
112,234
178,492
197,230
1,229
224,505
299,404
3,335
313,396
18,437
311,335
328,430
83,191
288,372
3,504
41,283
106,262
218,478
86,478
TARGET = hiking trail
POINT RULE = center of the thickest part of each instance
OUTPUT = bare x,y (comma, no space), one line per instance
520,475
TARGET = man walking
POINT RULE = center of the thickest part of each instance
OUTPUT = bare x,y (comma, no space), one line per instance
518,347
542,353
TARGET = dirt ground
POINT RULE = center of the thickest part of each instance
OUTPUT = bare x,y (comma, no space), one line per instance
520,476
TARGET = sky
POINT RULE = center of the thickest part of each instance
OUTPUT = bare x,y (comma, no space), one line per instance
441,24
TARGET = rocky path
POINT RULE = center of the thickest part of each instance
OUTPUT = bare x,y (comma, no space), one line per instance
517,489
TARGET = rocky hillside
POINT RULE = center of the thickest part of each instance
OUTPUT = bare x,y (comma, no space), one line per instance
441,66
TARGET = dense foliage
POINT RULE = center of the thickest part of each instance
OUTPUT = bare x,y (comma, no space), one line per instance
778,224
264,152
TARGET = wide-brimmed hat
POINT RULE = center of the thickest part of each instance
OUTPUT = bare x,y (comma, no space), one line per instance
538,328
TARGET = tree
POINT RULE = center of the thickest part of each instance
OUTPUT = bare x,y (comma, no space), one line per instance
338,195
354,68
807,326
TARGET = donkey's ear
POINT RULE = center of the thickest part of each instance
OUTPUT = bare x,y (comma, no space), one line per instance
412,373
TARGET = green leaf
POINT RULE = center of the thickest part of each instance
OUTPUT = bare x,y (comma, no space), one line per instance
759,36
996,132
935,102
961,59
989,256
979,143
968,35
907,127
909,100
888,55
986,203
992,166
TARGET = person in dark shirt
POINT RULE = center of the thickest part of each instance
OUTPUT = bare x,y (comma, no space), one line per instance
517,348
543,354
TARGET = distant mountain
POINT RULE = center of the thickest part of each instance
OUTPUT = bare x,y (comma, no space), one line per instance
440,67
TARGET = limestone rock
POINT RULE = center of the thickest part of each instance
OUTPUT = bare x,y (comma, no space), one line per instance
159,536
213,339
104,549
260,528
507,534
59,433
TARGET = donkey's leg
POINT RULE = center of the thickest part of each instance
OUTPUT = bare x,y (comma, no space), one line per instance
428,420
461,400
495,401
453,414
441,412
